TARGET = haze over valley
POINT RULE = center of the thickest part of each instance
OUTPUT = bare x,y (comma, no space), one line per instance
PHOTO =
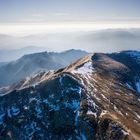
104,40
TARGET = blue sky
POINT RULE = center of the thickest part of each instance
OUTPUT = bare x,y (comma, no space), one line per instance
44,11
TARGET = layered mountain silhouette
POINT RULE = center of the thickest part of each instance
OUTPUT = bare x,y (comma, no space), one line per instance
14,54
95,97
32,63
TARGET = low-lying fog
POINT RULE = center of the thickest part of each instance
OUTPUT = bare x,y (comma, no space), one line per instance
107,40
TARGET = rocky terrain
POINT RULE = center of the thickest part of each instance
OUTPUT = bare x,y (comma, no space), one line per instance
96,97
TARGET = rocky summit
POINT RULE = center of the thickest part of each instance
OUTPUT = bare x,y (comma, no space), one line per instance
94,98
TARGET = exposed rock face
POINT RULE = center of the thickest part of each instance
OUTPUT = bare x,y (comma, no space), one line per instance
87,100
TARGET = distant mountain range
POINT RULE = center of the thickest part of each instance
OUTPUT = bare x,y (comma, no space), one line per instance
29,64
94,98
13,54
3,63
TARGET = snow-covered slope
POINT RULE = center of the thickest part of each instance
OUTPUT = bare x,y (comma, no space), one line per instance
87,100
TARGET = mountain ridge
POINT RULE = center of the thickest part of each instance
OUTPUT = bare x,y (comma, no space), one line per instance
86,100
28,64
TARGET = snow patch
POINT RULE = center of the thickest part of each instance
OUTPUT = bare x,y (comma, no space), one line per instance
52,106
89,112
138,116
83,137
15,110
9,113
32,99
103,113
26,107
125,133
34,85
97,98
1,118
39,111
115,107
138,86
85,69
120,112
129,86
76,117
73,105
104,96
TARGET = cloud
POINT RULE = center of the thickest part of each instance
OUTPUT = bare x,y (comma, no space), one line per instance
38,15
34,18
60,14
